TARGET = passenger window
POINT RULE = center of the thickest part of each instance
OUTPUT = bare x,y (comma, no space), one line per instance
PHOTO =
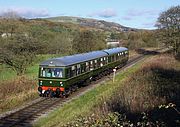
107,59
83,67
73,71
118,56
87,66
101,59
91,66
104,60
101,63
112,57
95,64
78,69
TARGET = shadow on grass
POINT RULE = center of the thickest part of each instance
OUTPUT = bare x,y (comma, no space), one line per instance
147,52
166,84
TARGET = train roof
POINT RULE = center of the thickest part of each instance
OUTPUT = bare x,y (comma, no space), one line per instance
115,50
79,58
74,59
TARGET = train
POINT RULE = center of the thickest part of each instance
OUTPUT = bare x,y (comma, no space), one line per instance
58,77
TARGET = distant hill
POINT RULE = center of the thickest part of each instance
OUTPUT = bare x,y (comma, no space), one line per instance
87,22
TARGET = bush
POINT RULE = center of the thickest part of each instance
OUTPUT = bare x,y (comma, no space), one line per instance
15,92
178,56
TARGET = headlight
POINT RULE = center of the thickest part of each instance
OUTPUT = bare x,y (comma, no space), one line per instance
61,83
40,83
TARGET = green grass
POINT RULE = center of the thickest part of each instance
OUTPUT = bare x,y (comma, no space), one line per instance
85,104
31,72
6,73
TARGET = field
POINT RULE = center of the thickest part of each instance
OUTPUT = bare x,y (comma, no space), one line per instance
144,95
18,90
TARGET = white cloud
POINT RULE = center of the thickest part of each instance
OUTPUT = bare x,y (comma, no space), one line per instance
106,13
25,12
133,13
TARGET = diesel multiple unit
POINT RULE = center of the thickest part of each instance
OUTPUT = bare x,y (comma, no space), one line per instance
60,76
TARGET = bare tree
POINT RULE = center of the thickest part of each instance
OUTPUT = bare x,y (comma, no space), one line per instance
169,28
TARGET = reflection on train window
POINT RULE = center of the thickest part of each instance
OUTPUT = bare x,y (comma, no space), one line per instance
51,72
91,65
78,69
87,66
83,68
73,71
95,64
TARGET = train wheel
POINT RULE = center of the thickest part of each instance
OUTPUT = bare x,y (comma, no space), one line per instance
74,88
52,93
57,93
65,94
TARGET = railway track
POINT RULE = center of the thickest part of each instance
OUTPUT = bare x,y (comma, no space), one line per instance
26,115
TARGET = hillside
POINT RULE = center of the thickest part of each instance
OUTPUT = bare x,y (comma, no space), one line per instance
98,24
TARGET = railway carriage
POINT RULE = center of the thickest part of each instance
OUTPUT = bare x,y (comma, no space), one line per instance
60,76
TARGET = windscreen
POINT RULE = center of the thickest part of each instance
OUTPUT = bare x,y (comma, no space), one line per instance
51,72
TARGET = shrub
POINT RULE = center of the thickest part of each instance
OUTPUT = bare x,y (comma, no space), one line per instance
16,92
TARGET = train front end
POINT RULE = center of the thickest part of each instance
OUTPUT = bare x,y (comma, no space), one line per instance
51,81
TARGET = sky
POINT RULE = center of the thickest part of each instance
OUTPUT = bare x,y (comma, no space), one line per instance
140,14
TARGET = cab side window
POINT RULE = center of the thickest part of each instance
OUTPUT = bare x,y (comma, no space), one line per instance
68,72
